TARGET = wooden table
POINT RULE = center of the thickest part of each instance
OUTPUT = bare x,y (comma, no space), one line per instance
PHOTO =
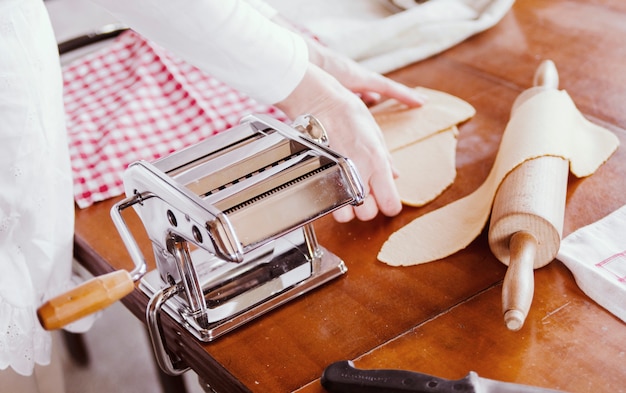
443,318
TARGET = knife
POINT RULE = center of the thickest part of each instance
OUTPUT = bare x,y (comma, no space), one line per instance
343,377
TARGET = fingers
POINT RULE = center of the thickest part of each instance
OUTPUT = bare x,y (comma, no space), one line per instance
385,192
368,210
384,198
374,164
345,214
370,98
392,89
368,84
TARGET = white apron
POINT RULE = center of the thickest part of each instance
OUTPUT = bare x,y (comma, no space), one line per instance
36,203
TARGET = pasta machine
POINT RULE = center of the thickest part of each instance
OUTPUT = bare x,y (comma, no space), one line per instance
230,220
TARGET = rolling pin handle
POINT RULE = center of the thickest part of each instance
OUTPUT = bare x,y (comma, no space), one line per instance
518,285
87,298
546,75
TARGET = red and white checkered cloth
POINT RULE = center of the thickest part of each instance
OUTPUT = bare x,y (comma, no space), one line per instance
132,101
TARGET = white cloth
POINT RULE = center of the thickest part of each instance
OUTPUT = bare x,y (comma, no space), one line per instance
36,202
223,38
596,256
383,39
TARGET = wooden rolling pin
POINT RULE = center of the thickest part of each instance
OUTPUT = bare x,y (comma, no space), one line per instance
87,298
527,217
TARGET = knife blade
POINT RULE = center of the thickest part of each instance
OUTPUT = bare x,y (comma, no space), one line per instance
343,377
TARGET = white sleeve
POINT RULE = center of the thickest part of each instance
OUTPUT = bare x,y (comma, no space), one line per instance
228,39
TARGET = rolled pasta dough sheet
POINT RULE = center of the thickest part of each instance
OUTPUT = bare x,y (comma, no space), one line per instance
426,168
404,126
422,142
547,124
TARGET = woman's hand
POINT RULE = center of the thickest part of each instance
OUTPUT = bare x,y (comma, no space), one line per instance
352,132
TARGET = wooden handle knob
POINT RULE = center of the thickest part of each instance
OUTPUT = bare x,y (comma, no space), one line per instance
546,75
519,283
87,298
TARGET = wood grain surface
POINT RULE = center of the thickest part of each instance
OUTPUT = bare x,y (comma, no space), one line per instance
443,318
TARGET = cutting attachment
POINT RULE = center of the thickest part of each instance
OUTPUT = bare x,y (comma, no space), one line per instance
230,220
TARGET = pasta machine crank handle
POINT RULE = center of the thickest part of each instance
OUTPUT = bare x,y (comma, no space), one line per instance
101,291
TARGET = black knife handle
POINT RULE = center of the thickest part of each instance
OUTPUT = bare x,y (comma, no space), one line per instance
343,377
